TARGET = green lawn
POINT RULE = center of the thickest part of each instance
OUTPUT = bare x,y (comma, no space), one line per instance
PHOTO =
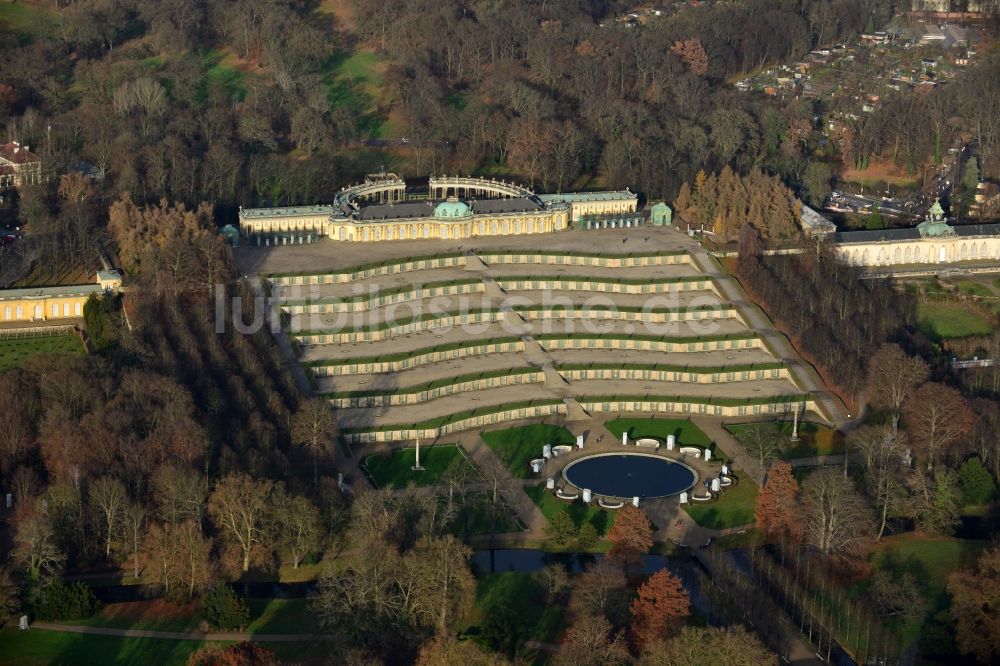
686,432
227,77
24,18
362,66
281,616
516,447
581,513
930,560
814,439
155,615
13,352
940,321
733,508
394,470
519,599
268,616
974,288
41,648
355,81
38,648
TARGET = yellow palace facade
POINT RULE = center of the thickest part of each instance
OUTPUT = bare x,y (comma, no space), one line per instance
454,208
47,304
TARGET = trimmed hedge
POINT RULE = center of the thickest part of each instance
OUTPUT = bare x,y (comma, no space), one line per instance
650,338
600,280
382,293
399,356
597,255
451,418
666,367
437,383
367,267
722,402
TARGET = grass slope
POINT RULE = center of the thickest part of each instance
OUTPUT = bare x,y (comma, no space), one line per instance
516,447
24,18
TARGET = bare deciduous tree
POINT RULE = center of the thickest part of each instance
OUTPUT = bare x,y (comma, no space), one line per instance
298,527
109,499
443,585
314,428
892,376
881,449
590,641
763,444
134,520
239,506
837,522
36,549
937,417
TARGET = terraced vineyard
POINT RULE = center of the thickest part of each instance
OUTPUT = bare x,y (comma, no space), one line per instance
425,345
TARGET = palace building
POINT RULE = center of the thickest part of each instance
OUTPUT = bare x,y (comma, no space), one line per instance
36,305
383,209
933,241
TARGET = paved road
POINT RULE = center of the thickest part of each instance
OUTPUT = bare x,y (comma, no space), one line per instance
234,636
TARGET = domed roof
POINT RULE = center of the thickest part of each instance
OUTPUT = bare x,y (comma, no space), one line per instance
452,209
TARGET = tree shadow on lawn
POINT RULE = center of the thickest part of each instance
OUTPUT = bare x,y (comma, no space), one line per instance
599,519
65,648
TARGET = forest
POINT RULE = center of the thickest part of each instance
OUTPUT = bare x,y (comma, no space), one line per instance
197,101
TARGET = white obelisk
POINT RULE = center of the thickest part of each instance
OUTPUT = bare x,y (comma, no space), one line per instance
417,467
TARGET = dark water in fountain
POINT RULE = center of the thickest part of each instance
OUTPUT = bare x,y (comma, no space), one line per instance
630,475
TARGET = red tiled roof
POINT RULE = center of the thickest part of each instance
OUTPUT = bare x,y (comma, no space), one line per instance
16,153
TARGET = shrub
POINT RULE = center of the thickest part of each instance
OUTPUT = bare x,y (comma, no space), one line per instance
66,602
587,537
223,609
976,483
97,314
561,528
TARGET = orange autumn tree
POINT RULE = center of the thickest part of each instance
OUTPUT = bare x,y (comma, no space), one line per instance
777,510
659,607
631,536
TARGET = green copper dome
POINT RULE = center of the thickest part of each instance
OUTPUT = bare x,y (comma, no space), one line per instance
452,209
935,223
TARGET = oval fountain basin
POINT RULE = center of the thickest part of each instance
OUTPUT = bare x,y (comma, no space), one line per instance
630,475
